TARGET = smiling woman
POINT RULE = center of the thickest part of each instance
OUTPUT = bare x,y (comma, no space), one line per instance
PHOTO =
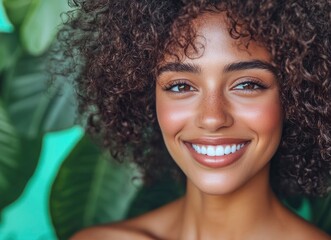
222,120
232,95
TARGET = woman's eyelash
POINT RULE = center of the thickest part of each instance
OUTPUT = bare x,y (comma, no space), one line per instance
177,83
245,85
252,84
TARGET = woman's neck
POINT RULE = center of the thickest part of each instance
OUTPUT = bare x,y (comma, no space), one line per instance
232,216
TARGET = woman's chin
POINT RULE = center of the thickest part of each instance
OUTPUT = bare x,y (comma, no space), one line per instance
214,186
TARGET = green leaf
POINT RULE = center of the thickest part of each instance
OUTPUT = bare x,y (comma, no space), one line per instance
16,10
156,195
297,204
90,189
9,50
41,25
34,106
321,212
18,160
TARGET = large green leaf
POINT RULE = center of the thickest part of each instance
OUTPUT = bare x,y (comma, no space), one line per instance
156,195
9,52
17,10
18,160
90,190
321,212
41,24
34,106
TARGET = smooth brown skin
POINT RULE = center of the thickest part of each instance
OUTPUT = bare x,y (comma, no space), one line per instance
230,202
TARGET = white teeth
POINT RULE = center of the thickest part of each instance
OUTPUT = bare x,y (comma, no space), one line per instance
203,150
211,151
233,148
227,149
218,150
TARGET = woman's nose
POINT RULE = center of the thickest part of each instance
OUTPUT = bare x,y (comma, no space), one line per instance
214,113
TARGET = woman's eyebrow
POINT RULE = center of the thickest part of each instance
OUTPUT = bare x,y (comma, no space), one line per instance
237,66
246,65
179,67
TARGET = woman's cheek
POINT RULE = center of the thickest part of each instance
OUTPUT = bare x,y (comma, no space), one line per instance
173,116
265,117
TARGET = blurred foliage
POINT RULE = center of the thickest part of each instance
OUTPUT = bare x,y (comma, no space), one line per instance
27,111
88,189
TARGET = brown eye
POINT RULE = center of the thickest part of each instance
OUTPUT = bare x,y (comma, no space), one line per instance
182,87
249,86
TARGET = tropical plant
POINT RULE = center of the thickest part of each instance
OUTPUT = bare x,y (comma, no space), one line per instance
88,189
27,113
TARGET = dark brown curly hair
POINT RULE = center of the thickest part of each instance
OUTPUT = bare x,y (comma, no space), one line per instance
120,43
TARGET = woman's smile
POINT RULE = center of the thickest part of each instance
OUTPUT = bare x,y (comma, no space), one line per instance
220,113
218,150
216,153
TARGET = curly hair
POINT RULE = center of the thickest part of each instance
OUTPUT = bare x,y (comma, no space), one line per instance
122,42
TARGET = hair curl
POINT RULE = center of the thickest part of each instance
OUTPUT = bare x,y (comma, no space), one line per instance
122,42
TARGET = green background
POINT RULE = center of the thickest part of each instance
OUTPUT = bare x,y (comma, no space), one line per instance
28,217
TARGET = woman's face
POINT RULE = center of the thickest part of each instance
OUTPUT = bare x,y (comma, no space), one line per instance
220,113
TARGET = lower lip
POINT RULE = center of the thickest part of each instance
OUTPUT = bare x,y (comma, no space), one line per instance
217,161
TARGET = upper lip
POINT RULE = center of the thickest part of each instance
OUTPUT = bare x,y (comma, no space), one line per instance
217,141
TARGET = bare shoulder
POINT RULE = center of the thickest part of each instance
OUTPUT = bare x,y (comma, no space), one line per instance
298,228
144,227
110,232
307,232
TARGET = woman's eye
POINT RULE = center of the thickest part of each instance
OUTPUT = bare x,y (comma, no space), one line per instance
248,86
182,87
